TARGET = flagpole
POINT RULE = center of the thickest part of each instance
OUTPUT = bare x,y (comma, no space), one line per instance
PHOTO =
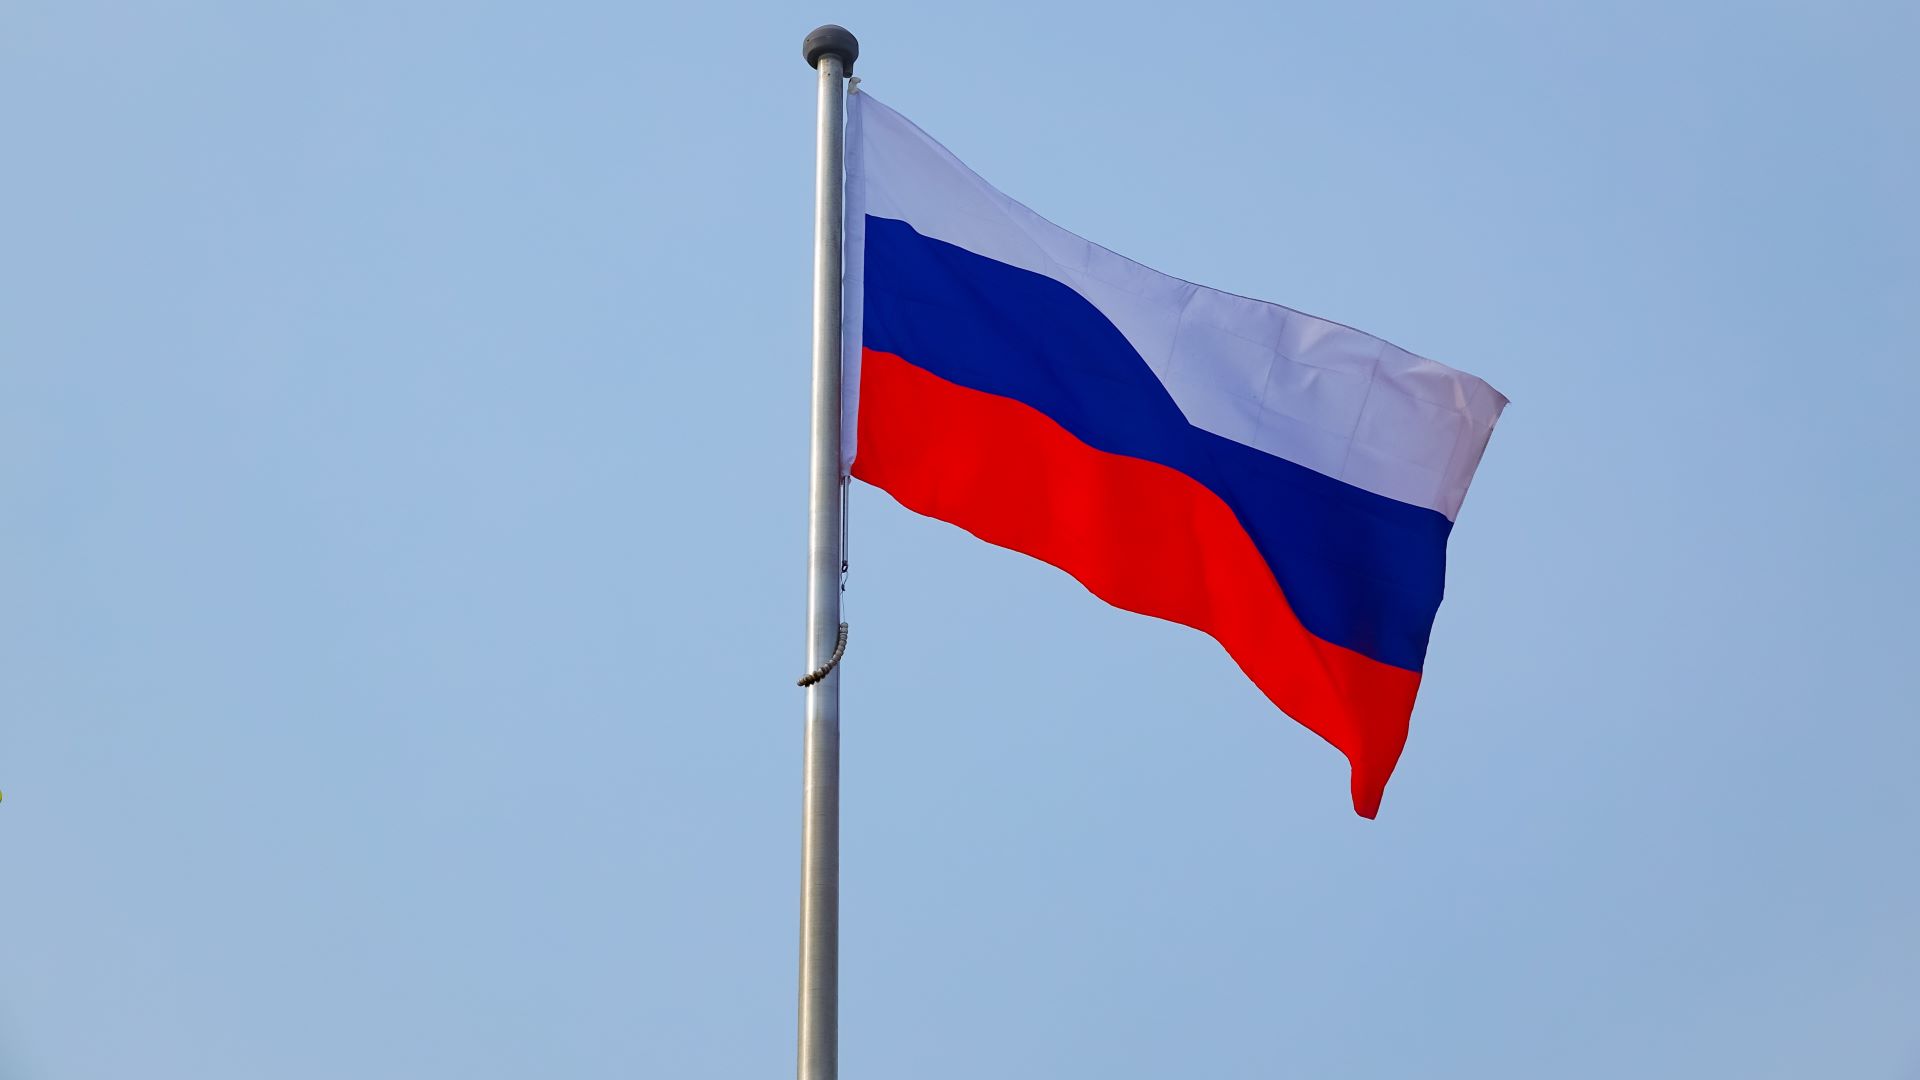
831,51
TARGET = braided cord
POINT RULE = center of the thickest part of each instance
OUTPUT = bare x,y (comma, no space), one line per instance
821,672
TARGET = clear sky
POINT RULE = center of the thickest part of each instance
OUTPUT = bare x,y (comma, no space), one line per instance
402,431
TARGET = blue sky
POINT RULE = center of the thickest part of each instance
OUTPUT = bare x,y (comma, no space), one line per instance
402,430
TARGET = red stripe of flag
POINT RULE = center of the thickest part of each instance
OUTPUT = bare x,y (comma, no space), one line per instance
1137,534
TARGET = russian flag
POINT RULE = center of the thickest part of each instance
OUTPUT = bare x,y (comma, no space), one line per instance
1280,482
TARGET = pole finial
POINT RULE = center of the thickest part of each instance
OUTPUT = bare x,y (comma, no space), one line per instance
831,40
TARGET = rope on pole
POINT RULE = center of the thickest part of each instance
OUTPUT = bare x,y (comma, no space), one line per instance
821,672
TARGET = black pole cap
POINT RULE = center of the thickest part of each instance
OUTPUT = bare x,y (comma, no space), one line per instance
831,40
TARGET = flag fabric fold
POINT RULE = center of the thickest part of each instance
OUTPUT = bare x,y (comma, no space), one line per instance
1279,482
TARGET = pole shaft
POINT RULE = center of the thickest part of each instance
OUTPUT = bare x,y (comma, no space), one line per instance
820,812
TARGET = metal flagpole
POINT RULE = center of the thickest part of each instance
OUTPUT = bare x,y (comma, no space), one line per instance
831,51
